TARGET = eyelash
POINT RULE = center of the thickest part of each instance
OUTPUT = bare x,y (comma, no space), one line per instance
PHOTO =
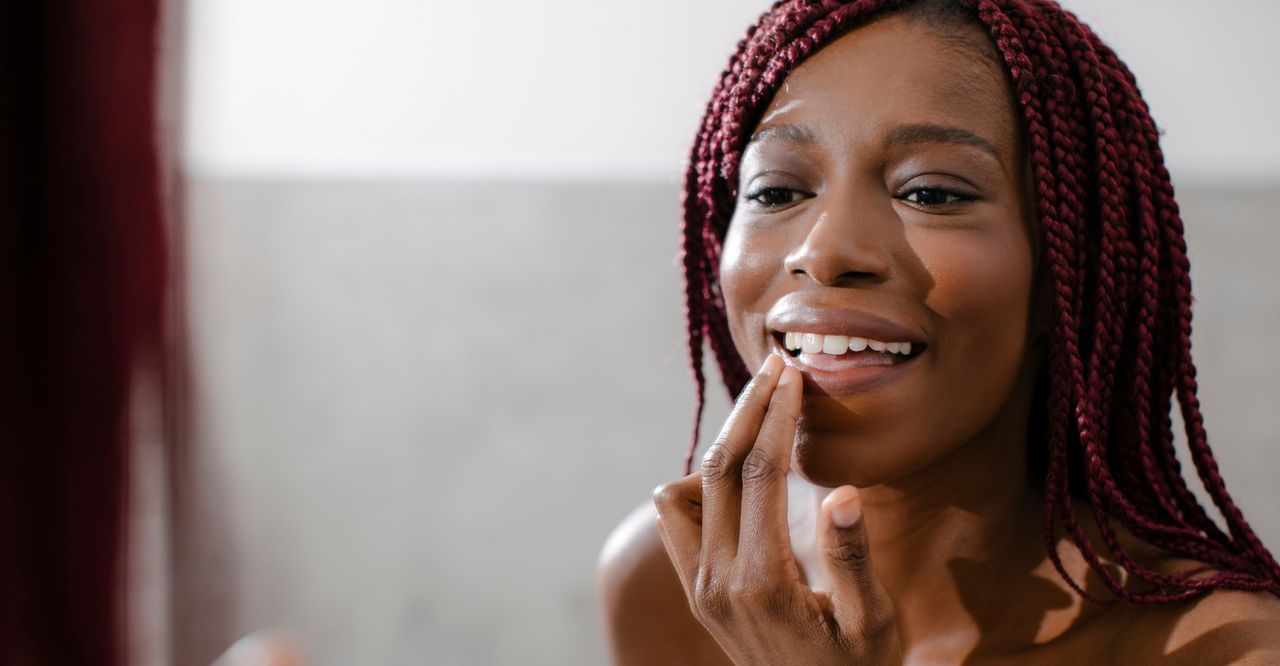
759,194
956,197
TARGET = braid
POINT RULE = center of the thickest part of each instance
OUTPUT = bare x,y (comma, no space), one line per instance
1113,252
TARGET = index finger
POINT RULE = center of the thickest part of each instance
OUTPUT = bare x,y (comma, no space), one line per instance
765,543
722,465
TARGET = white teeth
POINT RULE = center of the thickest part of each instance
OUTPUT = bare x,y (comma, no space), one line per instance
835,344
813,343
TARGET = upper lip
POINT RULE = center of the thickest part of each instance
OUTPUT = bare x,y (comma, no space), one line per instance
792,317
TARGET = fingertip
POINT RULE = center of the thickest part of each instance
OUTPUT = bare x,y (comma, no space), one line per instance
761,385
263,648
789,376
843,506
841,494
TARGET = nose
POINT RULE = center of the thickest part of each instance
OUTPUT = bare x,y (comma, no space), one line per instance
843,247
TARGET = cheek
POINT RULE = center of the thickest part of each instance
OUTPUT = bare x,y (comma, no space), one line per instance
747,269
979,285
981,297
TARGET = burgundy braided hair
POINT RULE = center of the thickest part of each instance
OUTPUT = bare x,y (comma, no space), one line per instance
1120,304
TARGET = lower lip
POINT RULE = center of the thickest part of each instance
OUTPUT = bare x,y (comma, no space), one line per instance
846,374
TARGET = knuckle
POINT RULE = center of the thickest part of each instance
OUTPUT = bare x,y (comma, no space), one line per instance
709,599
753,592
743,589
672,498
717,463
665,495
757,467
854,555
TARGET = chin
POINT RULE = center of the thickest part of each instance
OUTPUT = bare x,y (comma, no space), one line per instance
840,444
834,458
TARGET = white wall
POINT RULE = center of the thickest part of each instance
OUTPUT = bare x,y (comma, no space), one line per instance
564,88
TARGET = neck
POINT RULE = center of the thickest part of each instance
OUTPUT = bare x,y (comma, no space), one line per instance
959,548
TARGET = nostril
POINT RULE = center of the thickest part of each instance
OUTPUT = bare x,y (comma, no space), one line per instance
837,279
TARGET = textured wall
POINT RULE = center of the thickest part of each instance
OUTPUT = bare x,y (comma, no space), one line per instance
422,406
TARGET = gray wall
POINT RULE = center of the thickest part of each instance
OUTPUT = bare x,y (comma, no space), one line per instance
421,406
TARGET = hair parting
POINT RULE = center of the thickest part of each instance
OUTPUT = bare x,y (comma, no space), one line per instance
1115,255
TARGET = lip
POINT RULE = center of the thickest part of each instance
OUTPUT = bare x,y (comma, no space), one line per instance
843,378
846,374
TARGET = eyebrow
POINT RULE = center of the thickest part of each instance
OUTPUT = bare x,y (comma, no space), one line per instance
800,134
918,133
902,135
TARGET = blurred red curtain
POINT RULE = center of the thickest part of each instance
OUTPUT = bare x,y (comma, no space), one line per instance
82,268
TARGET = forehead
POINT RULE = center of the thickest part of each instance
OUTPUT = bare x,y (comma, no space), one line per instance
897,71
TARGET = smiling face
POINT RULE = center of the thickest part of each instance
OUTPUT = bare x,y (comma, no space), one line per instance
882,199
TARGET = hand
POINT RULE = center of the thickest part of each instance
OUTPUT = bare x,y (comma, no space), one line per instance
725,530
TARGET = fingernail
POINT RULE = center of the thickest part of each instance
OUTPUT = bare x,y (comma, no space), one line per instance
846,512
789,376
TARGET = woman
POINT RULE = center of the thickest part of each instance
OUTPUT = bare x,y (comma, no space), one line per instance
943,232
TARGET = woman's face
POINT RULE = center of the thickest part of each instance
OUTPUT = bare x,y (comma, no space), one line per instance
881,201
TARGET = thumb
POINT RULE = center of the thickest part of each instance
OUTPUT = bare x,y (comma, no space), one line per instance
861,606
262,649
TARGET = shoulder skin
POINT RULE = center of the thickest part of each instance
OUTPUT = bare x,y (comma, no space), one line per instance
1222,627
646,614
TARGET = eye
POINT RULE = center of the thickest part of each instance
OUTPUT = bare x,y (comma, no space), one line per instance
934,196
775,197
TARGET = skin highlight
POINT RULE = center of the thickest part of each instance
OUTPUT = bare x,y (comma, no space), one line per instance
846,197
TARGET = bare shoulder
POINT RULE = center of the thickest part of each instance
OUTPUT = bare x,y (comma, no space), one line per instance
646,615
1222,627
